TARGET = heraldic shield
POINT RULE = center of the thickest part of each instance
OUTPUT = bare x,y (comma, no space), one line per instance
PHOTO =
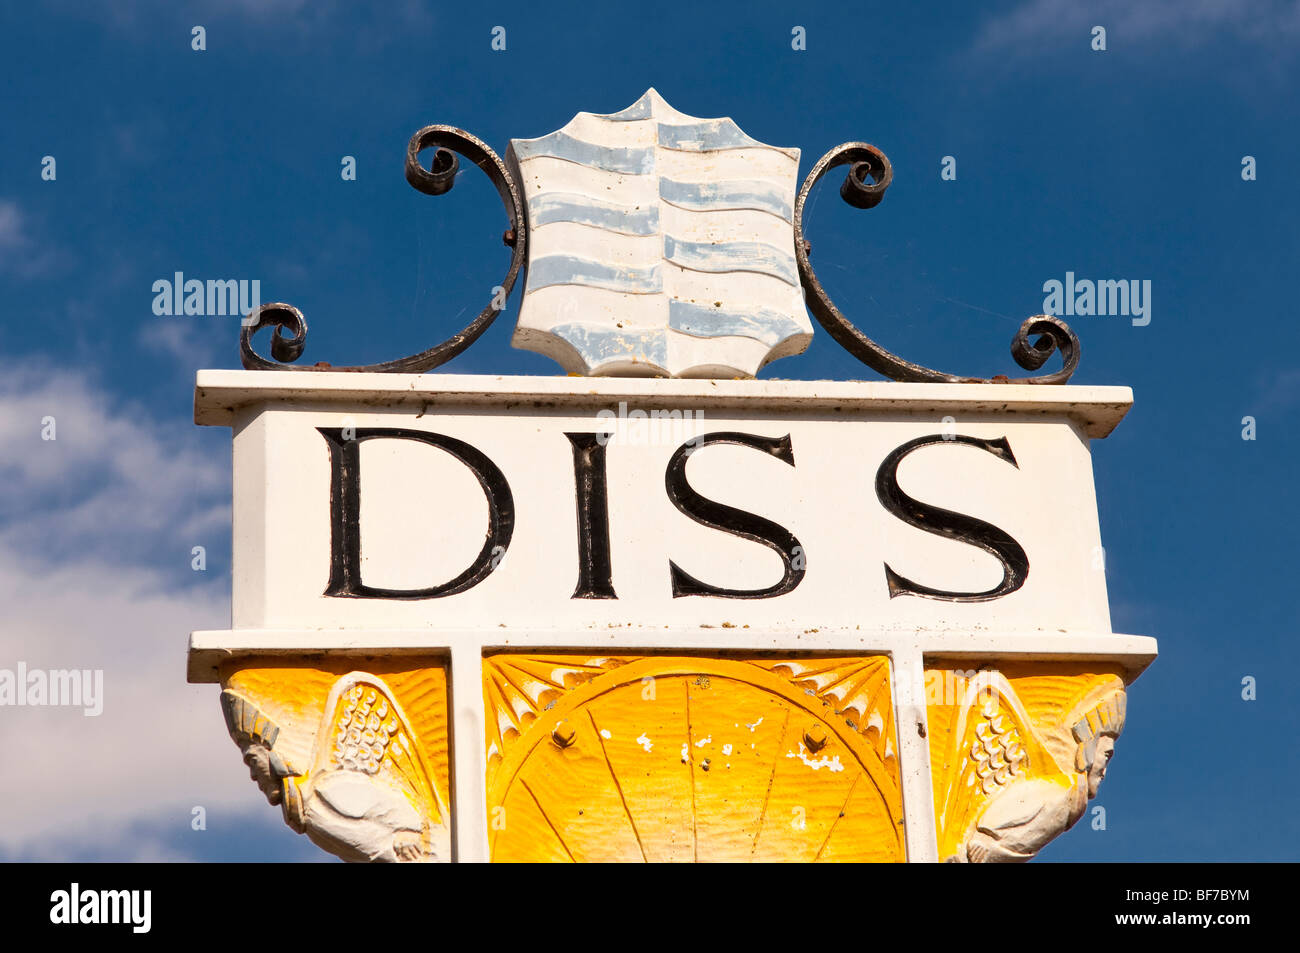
659,244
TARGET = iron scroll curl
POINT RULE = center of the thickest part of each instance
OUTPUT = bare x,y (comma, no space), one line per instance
870,174
435,180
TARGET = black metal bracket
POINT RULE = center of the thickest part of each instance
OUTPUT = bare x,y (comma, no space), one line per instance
869,176
436,180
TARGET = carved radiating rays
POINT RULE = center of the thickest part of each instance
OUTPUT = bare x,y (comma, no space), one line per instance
673,758
517,688
856,690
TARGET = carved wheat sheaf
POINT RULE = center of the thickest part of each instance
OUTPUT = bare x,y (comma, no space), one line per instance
366,731
997,753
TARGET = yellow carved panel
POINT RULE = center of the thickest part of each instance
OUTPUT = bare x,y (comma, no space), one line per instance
355,751
670,758
1016,752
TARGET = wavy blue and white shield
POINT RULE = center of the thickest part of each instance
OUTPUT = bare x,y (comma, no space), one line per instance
658,244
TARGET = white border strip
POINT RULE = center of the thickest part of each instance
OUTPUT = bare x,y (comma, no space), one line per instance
209,648
218,395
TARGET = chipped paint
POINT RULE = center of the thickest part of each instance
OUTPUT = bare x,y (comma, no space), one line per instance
825,761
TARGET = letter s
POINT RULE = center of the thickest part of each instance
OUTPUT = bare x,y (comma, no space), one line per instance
946,523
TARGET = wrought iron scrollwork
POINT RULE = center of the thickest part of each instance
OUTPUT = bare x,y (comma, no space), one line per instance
436,180
869,176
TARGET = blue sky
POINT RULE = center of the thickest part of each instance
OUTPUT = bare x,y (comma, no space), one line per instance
1121,164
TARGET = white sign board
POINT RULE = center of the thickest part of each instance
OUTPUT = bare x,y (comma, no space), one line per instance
530,506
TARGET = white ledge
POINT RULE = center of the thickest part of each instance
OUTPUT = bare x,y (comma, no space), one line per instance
220,394
208,649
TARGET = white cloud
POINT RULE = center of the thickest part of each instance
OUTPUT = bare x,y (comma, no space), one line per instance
114,481
20,254
12,233
84,520
1277,392
183,341
1180,23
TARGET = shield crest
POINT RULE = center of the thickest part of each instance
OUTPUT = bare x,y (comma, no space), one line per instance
659,244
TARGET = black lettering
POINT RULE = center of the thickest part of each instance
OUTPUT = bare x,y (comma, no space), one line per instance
946,523
731,520
345,512
595,574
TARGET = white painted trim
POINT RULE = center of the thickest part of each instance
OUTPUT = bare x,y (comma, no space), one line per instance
209,648
911,730
219,395
468,777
